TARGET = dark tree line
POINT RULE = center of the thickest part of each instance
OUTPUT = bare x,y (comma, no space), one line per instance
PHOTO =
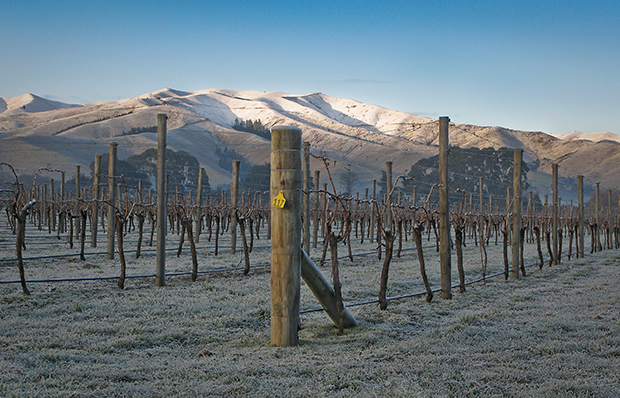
181,167
254,127
139,130
466,168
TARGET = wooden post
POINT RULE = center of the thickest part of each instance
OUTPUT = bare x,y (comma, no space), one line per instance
234,200
315,224
516,213
162,198
323,208
201,174
444,210
285,187
388,185
596,237
52,206
609,222
554,213
111,199
77,202
373,197
95,210
306,196
324,292
61,226
531,210
44,194
62,185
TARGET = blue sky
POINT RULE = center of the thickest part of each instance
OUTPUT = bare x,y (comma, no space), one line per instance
550,66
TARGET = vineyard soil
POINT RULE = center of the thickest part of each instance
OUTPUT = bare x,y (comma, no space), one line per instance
553,333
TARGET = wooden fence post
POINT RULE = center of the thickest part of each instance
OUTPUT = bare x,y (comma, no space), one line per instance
373,221
315,224
324,292
324,208
61,226
52,205
286,231
554,213
77,202
201,174
388,186
306,197
162,198
95,210
62,185
111,199
234,200
609,222
516,213
444,211
597,239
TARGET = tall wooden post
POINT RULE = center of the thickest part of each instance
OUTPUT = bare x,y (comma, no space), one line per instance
609,221
61,226
234,201
201,174
44,194
444,211
481,214
516,213
111,199
285,187
597,236
388,185
62,185
95,210
52,205
306,197
531,210
315,223
162,198
78,224
324,208
373,221
554,214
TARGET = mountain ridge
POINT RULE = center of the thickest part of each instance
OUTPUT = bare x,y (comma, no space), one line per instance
353,133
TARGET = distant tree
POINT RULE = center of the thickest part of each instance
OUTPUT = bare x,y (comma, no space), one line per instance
382,184
254,127
603,199
139,130
227,156
348,179
466,166
130,173
181,167
257,179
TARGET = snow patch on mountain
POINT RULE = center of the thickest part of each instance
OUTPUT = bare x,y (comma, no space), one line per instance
30,103
595,136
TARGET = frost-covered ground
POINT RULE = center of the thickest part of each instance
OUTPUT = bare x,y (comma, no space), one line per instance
553,333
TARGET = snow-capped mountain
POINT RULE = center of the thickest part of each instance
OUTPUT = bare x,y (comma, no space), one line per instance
36,132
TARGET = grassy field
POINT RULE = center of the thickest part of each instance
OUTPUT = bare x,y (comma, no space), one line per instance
553,333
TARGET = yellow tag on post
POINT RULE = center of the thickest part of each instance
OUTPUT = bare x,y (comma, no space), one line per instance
279,201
